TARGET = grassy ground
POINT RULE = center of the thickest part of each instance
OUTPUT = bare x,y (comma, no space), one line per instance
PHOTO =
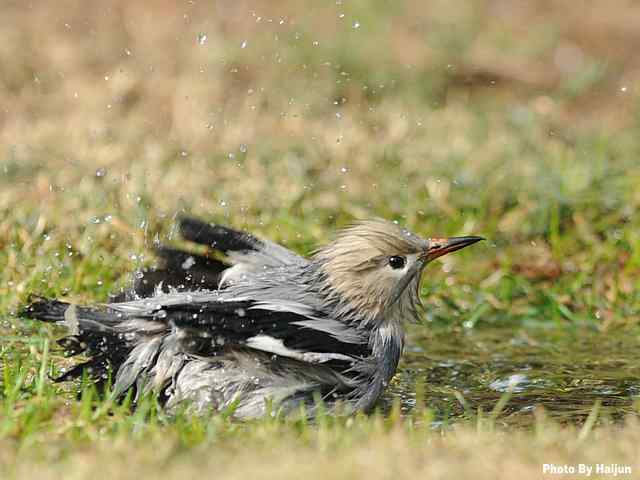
517,121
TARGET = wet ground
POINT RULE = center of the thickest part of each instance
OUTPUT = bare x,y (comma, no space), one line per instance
566,371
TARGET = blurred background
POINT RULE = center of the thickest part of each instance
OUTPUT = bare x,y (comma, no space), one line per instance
519,121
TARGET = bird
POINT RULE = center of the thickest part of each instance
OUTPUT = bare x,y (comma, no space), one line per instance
251,327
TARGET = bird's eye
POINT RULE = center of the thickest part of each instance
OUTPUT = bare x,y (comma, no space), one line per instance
397,262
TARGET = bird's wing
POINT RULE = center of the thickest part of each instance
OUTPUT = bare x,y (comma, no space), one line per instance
154,335
213,323
238,246
186,271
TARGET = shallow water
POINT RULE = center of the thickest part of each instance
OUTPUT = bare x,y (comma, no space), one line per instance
564,370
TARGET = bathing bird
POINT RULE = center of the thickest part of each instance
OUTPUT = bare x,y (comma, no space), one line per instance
252,327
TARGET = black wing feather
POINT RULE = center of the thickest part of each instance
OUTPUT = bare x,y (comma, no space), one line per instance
219,237
209,328
179,270
238,321
183,271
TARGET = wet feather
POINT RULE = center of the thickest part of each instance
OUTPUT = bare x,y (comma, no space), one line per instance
262,326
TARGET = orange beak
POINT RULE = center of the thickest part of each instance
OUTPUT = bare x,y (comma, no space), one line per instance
441,246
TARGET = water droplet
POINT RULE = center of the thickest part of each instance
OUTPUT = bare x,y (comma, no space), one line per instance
202,38
188,263
344,170
243,44
243,148
512,383
101,172
356,24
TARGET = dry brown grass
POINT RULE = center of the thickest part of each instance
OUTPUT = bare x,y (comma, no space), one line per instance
127,87
382,454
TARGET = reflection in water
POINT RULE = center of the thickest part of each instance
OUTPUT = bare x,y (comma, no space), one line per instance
566,371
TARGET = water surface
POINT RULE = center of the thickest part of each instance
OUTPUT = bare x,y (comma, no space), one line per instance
564,370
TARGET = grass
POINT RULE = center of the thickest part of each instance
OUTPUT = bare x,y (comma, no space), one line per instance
49,436
508,120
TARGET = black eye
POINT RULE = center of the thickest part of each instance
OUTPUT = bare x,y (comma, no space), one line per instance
397,262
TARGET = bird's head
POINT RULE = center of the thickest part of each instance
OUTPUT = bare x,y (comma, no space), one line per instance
376,265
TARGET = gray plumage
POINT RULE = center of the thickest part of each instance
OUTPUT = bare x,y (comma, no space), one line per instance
265,328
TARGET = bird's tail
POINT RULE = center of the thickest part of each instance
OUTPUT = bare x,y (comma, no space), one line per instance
45,310
91,331
74,316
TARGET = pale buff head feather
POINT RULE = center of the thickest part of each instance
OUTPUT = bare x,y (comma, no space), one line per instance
376,265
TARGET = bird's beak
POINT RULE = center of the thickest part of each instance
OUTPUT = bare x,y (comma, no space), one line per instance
441,246
436,248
